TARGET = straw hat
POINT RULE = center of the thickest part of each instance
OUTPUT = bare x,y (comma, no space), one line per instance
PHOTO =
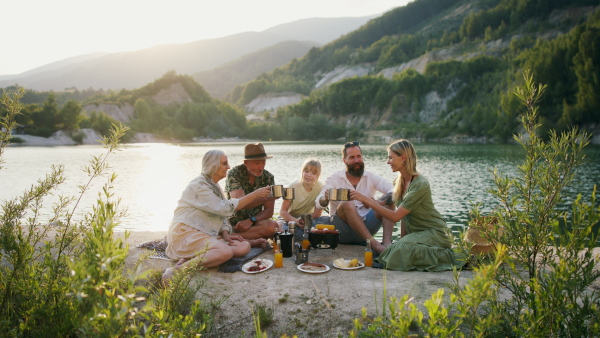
473,235
255,151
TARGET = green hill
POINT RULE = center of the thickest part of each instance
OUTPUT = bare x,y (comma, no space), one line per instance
221,80
444,68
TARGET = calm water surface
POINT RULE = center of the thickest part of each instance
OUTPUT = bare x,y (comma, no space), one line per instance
151,177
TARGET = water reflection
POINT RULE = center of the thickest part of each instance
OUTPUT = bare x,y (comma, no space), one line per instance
151,177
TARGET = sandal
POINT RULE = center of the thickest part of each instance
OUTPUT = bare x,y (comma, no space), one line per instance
378,265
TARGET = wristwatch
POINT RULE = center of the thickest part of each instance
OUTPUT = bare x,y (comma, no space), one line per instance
253,219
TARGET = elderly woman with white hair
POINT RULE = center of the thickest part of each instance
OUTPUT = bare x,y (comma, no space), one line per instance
200,231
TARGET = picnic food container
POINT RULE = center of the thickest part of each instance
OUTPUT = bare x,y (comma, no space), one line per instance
324,238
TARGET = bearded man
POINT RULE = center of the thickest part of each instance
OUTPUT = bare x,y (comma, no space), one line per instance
355,221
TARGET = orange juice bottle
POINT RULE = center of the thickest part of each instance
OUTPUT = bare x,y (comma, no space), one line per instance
368,254
305,241
278,256
305,244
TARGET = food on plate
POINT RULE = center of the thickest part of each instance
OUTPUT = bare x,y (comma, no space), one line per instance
324,231
325,227
345,263
313,267
257,265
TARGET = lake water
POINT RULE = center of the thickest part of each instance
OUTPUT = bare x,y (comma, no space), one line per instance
151,177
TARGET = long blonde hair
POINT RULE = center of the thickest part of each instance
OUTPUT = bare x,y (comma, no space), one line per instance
308,164
403,147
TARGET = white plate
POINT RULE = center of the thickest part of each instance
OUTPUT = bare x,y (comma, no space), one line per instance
360,266
267,262
310,271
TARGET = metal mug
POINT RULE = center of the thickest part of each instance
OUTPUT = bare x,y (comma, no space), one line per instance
307,220
277,191
340,194
343,194
289,194
333,194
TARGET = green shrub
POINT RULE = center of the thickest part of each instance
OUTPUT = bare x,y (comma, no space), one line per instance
64,276
544,260
551,262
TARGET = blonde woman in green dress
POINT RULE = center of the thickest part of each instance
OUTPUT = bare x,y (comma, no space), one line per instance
426,241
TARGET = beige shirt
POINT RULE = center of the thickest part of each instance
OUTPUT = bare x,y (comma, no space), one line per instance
304,201
203,206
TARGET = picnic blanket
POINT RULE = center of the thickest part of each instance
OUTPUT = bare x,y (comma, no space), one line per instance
235,264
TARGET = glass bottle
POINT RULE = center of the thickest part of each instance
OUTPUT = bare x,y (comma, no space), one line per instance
278,255
368,254
305,241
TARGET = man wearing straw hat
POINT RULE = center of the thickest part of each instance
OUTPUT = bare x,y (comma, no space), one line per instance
356,221
253,223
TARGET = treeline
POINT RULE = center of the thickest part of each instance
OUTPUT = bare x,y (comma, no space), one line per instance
62,97
44,113
479,105
201,116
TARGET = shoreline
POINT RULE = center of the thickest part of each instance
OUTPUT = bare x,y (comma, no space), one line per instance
323,304
91,137
305,304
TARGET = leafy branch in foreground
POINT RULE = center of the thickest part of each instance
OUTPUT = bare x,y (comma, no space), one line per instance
538,284
550,265
62,278
9,99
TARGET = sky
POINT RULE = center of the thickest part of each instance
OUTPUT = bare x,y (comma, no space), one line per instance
39,32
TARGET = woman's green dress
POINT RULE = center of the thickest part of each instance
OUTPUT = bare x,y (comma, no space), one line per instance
427,246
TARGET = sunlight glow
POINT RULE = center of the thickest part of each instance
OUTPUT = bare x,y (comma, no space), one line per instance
159,183
82,27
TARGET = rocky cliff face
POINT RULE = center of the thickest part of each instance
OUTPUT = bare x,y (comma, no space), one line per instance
272,101
124,112
174,94
119,112
434,104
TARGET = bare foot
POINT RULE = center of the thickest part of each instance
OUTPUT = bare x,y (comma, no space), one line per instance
167,276
258,243
169,272
377,247
181,261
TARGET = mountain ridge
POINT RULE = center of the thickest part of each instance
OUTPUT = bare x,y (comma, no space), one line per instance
127,70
